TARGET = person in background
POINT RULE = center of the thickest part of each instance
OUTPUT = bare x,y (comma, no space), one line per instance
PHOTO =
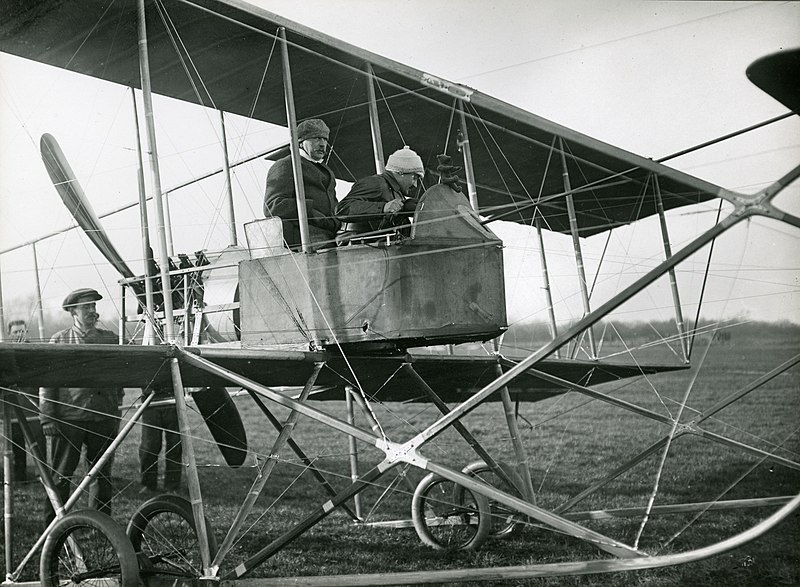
18,331
319,184
383,201
160,419
78,417
27,400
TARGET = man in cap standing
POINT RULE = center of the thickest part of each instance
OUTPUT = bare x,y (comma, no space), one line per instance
74,417
382,201
319,184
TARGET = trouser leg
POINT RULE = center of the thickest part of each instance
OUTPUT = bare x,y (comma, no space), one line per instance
99,437
149,447
30,408
19,451
65,449
173,455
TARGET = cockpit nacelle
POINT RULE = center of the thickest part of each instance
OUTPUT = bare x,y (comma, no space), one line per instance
442,284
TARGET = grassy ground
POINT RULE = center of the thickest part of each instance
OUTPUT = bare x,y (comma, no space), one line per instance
571,441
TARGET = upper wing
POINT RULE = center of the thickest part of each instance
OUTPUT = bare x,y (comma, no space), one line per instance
453,378
224,55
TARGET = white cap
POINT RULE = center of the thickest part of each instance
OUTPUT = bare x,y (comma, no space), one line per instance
405,160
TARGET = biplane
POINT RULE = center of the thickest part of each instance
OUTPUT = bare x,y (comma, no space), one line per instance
390,318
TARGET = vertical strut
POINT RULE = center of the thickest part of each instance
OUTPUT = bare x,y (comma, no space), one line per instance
551,311
192,479
228,187
147,249
164,228
374,120
519,448
673,282
36,450
576,244
294,147
187,308
39,310
463,144
122,315
351,442
2,314
8,497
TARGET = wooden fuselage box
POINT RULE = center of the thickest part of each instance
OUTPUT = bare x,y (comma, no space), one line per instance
443,284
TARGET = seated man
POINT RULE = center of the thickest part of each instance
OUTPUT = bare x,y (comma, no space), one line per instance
319,184
382,201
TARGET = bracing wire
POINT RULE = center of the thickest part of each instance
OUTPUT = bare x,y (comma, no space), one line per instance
676,422
705,282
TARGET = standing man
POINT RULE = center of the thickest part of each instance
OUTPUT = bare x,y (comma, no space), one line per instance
77,417
319,184
27,400
160,419
382,201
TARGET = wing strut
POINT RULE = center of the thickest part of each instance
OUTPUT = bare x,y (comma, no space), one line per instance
469,171
576,244
165,246
294,147
374,121
144,225
673,282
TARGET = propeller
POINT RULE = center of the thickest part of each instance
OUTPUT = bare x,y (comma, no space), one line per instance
74,199
215,404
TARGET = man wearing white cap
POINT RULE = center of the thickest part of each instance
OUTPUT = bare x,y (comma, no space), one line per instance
319,185
74,417
382,201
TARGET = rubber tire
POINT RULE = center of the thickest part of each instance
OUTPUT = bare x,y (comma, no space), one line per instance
465,536
101,527
171,505
504,523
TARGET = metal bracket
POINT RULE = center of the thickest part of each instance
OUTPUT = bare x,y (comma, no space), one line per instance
406,453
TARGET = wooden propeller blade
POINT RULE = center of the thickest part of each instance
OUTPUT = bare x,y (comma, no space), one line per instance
74,199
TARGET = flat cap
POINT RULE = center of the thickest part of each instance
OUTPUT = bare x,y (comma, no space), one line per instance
80,296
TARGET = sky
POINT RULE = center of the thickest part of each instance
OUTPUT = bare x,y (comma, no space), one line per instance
650,77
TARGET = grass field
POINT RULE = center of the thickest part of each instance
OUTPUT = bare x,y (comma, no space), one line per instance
571,441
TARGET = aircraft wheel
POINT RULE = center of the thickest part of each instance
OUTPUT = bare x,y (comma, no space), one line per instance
505,521
164,535
87,547
447,516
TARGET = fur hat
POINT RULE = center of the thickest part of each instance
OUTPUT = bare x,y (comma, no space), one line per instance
313,128
405,160
80,296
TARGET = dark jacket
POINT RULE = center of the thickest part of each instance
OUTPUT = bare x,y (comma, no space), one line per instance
319,184
80,404
362,208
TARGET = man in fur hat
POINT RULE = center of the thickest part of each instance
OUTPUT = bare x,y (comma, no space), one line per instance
319,184
385,200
